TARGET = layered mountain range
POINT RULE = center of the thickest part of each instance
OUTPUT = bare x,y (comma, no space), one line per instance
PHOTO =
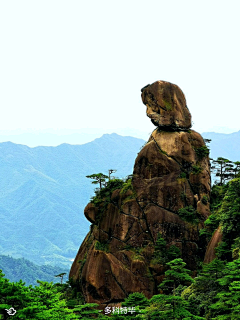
43,192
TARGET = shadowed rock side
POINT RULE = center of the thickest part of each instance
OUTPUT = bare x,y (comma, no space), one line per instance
168,196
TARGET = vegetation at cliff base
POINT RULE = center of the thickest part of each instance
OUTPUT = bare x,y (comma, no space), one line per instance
213,294
202,152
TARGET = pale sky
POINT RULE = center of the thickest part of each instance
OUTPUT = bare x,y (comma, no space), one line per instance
81,64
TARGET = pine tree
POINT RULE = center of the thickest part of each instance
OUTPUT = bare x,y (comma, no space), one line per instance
177,275
205,287
227,305
223,168
99,178
168,307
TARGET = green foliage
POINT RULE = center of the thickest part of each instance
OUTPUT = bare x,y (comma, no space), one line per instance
102,246
168,104
173,252
137,253
217,194
126,186
230,209
103,197
163,255
212,221
175,276
205,199
82,263
228,214
188,214
27,271
98,178
160,245
60,275
73,293
39,302
223,251
210,225
183,197
128,247
227,304
224,169
196,169
45,301
236,248
136,299
105,193
167,307
183,175
236,169
205,287
87,311
202,152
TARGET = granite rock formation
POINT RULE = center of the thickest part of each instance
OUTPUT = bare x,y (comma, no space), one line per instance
167,198
166,106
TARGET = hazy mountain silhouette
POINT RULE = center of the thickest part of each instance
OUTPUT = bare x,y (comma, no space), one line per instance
224,145
28,272
44,191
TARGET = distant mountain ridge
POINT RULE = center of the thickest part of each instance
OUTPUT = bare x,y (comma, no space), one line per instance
28,272
44,191
51,137
226,145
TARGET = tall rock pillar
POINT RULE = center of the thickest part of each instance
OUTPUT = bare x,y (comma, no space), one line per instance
167,197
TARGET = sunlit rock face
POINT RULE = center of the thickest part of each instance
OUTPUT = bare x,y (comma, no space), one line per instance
166,106
169,197
210,254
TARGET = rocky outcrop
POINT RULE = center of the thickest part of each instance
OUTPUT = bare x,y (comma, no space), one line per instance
166,106
167,197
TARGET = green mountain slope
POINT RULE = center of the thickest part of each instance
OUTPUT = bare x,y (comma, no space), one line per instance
28,272
43,192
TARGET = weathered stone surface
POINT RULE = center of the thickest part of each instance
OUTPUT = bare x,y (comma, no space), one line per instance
171,173
166,106
210,254
90,212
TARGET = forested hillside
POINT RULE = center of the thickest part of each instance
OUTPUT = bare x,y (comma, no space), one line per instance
44,191
28,272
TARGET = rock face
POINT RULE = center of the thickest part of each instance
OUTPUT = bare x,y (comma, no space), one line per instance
167,198
210,254
166,106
